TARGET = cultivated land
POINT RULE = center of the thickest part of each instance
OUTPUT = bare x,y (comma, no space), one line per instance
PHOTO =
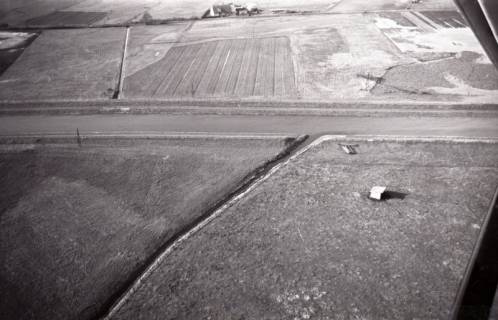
164,215
78,222
402,56
239,67
20,13
353,56
66,64
309,244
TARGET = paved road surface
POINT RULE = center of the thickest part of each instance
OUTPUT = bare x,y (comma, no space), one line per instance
212,124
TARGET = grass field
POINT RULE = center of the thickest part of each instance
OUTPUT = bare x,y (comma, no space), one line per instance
308,243
66,64
67,18
76,222
221,68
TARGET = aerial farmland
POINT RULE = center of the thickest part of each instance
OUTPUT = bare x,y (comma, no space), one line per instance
219,68
324,55
271,159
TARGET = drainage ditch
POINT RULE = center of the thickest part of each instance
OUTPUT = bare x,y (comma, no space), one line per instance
476,298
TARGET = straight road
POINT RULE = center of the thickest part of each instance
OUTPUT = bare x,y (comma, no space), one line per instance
252,125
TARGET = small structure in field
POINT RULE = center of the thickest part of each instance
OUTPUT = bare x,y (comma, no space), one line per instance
376,192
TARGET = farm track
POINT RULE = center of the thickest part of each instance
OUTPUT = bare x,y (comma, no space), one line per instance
278,85
289,80
219,68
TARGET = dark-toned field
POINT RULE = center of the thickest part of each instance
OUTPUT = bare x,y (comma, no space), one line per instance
77,222
67,19
7,57
66,64
220,68
12,45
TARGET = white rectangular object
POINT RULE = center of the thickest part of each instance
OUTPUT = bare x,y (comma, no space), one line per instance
376,192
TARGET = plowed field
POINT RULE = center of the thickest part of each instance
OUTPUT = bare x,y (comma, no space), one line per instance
220,68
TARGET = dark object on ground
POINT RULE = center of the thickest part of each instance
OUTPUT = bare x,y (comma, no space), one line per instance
78,138
348,148
225,10
387,195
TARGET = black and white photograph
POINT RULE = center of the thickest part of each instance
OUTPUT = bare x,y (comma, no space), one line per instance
233,160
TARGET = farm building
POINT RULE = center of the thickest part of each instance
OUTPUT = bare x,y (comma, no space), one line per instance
225,10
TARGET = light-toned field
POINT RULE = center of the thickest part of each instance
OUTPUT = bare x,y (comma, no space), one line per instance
222,68
22,12
379,5
308,243
449,62
19,12
337,56
308,57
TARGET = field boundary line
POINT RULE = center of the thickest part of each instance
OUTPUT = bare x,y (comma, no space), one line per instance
122,68
253,102
262,174
406,138
301,148
63,136
251,111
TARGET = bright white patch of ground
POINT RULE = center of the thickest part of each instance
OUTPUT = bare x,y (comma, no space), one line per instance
423,39
442,40
376,5
413,39
463,89
9,40
297,5
328,69
344,60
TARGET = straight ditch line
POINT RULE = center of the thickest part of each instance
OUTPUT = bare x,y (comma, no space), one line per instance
401,138
145,135
249,135
250,182
119,90
477,289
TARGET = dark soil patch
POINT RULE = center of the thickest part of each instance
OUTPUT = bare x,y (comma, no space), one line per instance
67,19
77,222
